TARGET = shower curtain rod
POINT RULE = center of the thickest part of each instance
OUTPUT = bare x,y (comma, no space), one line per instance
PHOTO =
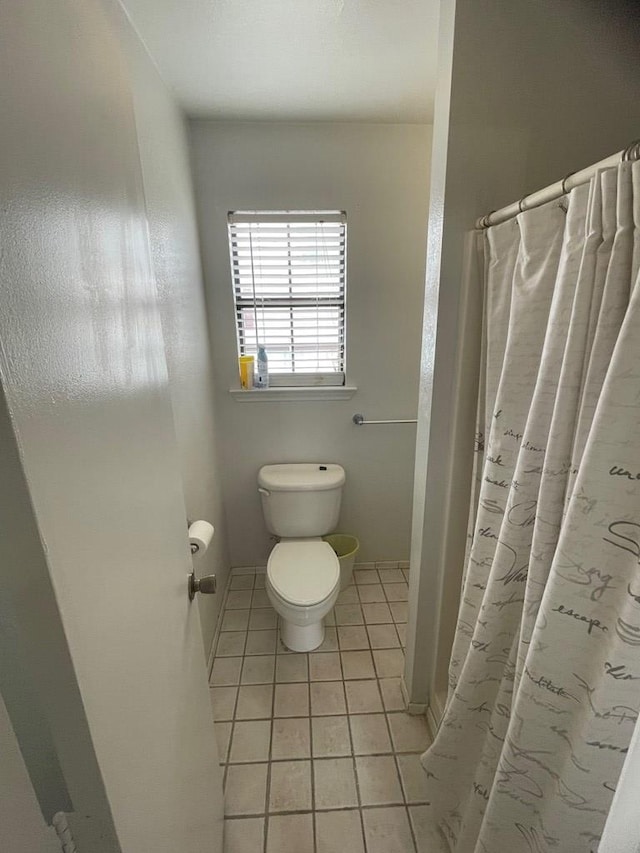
557,190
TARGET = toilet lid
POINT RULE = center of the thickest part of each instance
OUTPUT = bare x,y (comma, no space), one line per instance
303,572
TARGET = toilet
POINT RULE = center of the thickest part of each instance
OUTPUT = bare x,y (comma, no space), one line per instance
301,503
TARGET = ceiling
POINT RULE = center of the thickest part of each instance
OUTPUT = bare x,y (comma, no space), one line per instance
296,60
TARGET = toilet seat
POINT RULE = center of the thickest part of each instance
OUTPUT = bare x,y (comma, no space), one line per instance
303,572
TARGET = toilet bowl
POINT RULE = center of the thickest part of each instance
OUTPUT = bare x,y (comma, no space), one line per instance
301,503
303,583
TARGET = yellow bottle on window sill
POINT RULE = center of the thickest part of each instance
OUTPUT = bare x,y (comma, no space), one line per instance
246,365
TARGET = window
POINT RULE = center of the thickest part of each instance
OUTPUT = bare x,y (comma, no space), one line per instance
289,279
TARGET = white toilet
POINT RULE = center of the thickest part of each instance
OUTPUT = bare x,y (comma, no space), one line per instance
301,503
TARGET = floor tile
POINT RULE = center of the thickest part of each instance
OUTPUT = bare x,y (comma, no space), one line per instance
369,734
246,789
396,591
364,576
330,618
291,700
235,620
242,581
325,666
357,665
327,697
255,702
261,578
260,599
337,832
391,575
387,831
230,644
261,642
349,595
244,835
239,600
291,833
223,738
353,637
225,671
330,642
250,741
363,697
413,778
401,628
292,668
376,613
262,620
371,592
378,780
330,737
428,838
335,783
258,669
408,732
389,662
391,694
405,572
290,786
290,738
348,614
399,610
383,636
223,702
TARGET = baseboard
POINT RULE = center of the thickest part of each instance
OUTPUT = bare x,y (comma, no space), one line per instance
435,713
216,633
416,709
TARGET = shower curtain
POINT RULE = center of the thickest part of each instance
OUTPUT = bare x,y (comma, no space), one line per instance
545,668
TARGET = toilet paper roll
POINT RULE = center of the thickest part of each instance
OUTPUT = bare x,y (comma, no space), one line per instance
200,536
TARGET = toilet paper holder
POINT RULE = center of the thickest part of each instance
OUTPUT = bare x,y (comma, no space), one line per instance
207,585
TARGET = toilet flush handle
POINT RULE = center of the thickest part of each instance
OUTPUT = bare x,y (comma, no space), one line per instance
264,492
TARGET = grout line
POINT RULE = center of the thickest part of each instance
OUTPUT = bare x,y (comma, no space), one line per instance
311,764
270,759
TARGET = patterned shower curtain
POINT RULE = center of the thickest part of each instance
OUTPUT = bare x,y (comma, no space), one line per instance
545,668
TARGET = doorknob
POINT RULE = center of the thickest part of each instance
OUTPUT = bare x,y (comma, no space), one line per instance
206,585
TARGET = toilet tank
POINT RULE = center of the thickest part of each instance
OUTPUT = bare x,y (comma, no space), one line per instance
301,499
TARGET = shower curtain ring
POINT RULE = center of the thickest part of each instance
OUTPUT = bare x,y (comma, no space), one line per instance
632,152
521,202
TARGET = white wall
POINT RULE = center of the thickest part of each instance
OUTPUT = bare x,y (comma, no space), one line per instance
622,829
528,92
379,175
175,255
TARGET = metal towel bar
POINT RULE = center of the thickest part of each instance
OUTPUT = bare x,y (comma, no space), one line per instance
360,421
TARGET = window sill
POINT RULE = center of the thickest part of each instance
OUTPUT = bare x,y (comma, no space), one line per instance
293,393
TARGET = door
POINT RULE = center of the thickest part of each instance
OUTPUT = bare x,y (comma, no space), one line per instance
22,827
83,372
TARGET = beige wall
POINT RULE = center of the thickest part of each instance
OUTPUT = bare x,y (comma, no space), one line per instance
379,175
176,265
527,93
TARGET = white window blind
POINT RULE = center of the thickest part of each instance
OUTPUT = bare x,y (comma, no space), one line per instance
289,281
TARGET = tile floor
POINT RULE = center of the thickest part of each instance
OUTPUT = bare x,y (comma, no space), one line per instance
319,755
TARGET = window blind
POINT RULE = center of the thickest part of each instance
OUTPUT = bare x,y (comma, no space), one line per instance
289,281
